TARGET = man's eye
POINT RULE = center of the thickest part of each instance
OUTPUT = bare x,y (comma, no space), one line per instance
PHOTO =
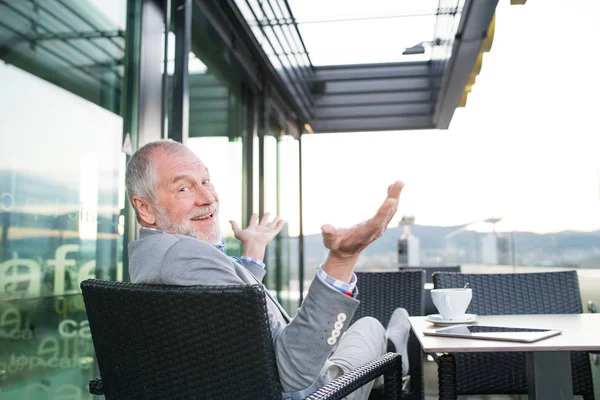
184,189
206,182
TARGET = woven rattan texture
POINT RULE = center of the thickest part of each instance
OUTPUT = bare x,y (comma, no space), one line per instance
167,342
498,294
96,386
388,364
380,293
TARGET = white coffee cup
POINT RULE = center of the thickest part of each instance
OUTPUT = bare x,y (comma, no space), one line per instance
452,303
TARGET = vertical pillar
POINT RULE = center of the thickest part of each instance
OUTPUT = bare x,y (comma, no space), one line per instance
262,131
248,163
164,128
183,37
141,107
301,227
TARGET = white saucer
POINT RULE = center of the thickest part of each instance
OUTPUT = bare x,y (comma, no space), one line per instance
438,320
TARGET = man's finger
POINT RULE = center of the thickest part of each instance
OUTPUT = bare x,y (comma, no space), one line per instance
234,226
265,219
275,221
389,206
395,188
253,219
328,230
279,225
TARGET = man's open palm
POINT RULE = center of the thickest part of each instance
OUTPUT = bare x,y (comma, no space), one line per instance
262,231
347,242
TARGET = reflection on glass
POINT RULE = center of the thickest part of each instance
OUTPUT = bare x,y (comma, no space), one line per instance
61,187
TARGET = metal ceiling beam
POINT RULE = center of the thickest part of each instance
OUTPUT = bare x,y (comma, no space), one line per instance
338,100
374,97
381,71
373,124
374,110
378,85
472,30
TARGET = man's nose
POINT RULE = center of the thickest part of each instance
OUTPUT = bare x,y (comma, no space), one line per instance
205,196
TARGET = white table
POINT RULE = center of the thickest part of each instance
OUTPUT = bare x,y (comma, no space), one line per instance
548,360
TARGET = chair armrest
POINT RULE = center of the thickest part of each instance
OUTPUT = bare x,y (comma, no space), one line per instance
389,364
96,386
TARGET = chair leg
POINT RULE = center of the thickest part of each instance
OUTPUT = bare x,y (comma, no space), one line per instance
446,376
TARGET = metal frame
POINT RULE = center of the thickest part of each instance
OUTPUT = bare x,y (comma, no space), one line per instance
181,102
164,128
297,79
247,53
476,18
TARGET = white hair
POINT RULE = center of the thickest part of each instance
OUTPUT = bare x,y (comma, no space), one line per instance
141,177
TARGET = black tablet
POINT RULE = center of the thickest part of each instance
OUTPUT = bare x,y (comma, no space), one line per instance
502,333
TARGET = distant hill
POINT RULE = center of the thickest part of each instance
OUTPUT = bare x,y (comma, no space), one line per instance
568,248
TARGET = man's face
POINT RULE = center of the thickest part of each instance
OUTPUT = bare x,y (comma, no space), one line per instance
188,203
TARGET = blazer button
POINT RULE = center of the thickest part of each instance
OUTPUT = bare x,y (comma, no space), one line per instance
341,317
331,341
338,325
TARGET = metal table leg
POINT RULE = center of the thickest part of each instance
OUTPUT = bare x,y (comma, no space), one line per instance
549,375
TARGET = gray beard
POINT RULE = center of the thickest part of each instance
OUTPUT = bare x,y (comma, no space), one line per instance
212,236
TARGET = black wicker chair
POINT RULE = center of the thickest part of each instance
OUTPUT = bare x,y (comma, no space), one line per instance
502,294
200,342
380,293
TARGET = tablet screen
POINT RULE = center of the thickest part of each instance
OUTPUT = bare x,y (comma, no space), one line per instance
495,333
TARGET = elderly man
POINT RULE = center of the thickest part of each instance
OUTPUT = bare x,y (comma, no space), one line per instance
180,244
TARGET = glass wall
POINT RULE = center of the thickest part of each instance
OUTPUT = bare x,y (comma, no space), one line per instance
289,209
217,125
61,187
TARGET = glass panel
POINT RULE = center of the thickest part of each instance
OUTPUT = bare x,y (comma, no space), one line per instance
313,10
217,123
61,187
340,32
271,205
78,46
366,41
289,209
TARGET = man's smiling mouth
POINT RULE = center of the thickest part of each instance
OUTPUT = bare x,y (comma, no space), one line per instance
205,216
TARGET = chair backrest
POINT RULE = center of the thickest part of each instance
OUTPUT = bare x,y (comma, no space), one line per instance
202,342
532,293
430,270
380,293
525,293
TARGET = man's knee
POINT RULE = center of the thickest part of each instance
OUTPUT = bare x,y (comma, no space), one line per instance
371,324
374,329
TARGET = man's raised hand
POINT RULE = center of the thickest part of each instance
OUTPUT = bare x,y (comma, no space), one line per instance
257,235
346,244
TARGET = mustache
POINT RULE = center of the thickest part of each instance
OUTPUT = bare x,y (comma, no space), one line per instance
203,210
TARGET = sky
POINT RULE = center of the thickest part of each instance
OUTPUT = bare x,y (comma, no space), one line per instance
525,148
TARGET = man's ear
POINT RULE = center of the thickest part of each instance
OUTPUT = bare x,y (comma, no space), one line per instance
145,209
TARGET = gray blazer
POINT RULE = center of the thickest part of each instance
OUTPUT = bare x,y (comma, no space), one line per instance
302,345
